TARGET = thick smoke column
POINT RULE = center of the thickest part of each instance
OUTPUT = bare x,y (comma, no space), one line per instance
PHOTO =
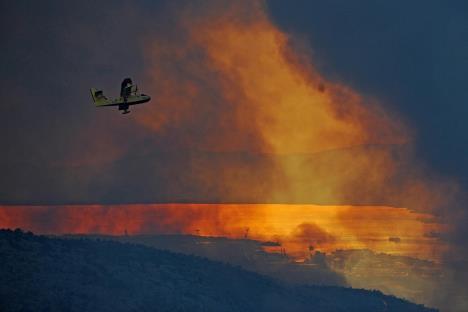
232,81
229,81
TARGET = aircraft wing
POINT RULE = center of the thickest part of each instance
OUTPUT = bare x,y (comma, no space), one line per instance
130,97
100,99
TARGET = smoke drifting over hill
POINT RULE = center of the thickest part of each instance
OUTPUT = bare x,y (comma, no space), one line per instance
240,114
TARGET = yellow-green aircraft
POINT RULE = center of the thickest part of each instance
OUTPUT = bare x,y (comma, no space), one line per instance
128,96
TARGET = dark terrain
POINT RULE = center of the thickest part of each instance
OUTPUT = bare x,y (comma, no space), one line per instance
56,274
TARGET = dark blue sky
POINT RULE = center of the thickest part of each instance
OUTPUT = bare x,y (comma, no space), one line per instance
412,56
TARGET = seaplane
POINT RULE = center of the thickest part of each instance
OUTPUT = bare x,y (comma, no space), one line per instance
129,95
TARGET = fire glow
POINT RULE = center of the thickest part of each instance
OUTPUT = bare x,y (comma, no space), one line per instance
229,80
226,79
296,227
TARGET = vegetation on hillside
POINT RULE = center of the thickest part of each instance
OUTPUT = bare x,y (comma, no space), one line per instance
55,274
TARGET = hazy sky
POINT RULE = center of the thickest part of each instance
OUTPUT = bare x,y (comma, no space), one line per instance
57,147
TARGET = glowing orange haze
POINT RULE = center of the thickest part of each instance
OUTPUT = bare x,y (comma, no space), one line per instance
228,72
227,79
265,88
296,227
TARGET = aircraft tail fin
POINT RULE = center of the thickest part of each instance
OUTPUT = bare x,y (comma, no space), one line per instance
98,97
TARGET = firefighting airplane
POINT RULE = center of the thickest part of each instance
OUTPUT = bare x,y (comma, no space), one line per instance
128,96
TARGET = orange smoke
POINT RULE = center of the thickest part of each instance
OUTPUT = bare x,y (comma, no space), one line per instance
296,227
226,79
230,55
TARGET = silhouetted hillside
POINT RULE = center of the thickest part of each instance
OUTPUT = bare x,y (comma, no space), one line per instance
51,274
245,253
405,277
